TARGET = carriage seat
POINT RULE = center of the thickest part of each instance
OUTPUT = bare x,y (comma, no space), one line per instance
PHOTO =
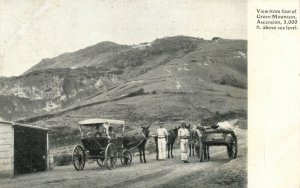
95,144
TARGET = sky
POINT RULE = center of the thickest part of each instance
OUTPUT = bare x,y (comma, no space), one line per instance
35,29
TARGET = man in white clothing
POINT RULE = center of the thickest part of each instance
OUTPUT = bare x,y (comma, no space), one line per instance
183,135
162,138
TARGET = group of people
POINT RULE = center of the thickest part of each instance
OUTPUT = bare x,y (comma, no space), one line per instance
162,139
108,131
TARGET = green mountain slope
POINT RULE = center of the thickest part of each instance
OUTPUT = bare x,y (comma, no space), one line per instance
166,80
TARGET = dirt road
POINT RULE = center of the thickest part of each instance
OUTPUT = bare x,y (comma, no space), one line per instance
218,172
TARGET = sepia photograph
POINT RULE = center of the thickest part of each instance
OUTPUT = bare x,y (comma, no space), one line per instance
124,93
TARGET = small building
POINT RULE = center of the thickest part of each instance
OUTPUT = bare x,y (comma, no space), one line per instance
23,149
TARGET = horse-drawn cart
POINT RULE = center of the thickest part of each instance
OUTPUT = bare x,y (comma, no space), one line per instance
101,144
207,136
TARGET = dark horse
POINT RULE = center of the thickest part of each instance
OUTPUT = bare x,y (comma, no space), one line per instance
137,140
172,135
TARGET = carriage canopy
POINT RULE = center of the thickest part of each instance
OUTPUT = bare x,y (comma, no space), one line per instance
88,122
104,125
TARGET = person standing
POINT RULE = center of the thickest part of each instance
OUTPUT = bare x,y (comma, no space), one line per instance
162,138
111,133
183,135
97,133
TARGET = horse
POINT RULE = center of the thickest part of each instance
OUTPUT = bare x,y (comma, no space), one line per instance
172,135
138,140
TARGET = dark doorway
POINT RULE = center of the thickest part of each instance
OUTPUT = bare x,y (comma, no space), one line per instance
29,150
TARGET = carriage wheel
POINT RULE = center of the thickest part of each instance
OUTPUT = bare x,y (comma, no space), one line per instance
232,149
78,158
101,162
111,155
126,158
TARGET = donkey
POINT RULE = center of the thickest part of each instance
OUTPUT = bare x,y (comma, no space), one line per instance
138,140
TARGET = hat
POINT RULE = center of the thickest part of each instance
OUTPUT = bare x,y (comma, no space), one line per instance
182,122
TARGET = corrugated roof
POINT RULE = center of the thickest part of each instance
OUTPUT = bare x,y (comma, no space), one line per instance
25,125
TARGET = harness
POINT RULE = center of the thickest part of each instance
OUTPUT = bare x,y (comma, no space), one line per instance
171,131
139,142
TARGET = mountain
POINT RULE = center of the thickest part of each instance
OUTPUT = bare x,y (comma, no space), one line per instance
169,79
89,56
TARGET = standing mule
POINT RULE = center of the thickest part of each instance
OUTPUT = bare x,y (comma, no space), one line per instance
206,151
138,140
202,150
191,141
172,135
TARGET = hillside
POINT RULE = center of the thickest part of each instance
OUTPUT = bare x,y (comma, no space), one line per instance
166,80
89,56
48,90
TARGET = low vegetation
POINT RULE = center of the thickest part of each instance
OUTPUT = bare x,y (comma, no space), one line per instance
137,93
230,80
62,159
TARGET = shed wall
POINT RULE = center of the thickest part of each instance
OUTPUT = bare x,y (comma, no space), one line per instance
6,150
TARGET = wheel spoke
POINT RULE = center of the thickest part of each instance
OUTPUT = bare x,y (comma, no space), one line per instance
113,162
127,157
109,163
78,158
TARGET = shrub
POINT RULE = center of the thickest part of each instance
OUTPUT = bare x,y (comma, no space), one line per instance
136,93
154,92
230,80
62,159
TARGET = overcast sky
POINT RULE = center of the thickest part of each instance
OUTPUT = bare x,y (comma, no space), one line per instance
33,30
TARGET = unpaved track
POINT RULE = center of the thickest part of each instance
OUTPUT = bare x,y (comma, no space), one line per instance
218,172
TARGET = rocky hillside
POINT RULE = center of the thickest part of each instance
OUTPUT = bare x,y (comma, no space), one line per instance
166,80
48,90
